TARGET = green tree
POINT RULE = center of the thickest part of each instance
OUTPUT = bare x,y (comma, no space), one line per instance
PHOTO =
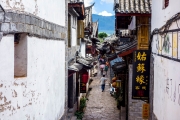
102,35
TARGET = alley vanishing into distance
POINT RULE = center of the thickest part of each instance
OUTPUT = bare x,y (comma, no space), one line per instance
101,105
53,54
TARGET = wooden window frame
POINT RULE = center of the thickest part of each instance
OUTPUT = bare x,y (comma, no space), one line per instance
165,4
20,55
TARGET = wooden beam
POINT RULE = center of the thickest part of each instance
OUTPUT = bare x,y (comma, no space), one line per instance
79,5
83,9
127,52
74,5
133,14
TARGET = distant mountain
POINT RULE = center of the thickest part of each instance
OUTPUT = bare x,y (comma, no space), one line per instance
106,23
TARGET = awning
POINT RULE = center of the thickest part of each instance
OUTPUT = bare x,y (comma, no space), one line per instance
117,60
75,67
126,49
73,11
86,64
118,67
111,56
79,8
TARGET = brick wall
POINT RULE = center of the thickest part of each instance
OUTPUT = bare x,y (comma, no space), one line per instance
14,22
134,106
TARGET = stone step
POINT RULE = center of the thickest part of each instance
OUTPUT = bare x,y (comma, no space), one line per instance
70,110
74,118
69,116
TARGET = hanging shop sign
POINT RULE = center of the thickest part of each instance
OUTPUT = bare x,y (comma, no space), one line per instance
145,111
143,33
82,87
141,66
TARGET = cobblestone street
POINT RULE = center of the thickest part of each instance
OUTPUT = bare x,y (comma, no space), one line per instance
101,105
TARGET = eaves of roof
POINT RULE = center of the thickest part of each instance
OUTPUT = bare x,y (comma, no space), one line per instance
133,6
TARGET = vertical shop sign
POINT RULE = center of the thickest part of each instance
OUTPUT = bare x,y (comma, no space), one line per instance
145,111
141,67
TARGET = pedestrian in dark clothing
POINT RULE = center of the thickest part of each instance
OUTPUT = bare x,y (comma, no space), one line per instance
106,69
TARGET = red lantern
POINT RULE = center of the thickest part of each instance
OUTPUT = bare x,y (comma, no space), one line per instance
85,77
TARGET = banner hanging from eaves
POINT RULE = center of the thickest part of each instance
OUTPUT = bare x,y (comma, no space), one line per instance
141,67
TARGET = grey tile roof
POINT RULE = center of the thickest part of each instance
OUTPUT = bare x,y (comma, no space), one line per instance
75,67
132,6
111,56
84,61
126,47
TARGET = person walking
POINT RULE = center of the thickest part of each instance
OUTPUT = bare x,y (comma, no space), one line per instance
102,68
106,69
103,81
101,71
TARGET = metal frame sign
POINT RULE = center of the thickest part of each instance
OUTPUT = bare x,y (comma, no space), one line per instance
140,80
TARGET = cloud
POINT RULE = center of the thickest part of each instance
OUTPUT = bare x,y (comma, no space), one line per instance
88,2
105,13
94,10
108,1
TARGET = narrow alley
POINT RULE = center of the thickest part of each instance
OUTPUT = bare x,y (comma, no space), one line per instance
101,105
89,59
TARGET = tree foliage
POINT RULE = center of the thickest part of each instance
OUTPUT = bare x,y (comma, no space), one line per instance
102,35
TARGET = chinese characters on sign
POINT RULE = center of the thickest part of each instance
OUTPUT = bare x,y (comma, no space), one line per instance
145,111
140,83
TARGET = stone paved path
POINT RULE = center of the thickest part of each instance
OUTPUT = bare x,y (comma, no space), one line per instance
101,105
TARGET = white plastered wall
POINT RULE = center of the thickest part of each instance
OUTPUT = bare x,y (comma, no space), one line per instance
166,89
166,100
74,37
83,49
40,95
50,10
160,15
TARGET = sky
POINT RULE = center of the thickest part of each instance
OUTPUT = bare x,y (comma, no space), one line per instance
101,7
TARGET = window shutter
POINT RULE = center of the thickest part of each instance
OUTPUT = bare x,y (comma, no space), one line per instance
80,29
